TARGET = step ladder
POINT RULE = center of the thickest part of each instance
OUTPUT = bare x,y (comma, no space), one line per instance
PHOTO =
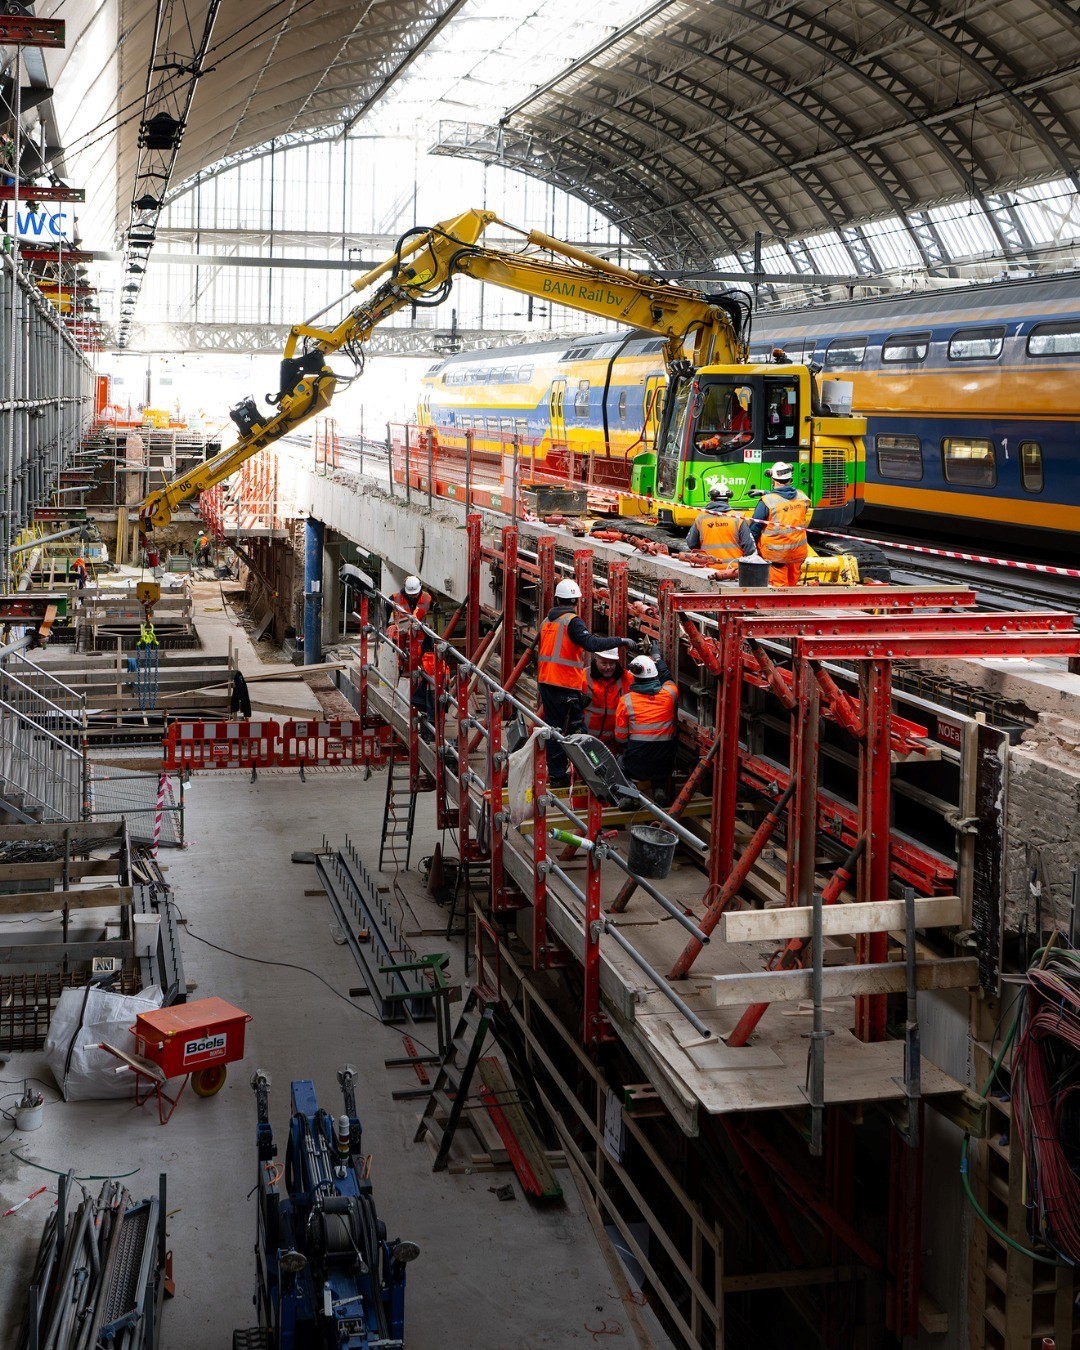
399,813
450,1091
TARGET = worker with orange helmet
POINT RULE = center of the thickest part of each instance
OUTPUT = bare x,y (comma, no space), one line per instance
561,677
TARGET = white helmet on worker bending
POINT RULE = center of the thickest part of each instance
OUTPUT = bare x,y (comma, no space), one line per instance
719,492
567,590
780,473
413,586
612,654
643,668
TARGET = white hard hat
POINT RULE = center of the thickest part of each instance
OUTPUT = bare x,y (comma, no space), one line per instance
612,654
779,473
568,590
643,668
413,586
719,492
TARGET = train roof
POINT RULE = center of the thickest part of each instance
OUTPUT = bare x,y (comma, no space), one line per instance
578,347
1033,298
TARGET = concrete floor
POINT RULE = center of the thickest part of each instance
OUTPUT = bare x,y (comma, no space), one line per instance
491,1276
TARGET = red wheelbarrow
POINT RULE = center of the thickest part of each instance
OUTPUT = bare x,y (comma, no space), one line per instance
189,1040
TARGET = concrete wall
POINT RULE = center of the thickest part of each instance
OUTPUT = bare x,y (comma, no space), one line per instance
1043,817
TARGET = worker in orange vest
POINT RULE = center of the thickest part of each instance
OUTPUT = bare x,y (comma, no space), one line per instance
779,526
564,640
423,694
647,722
605,684
82,572
411,600
720,532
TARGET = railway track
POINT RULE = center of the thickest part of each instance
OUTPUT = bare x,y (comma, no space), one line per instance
998,583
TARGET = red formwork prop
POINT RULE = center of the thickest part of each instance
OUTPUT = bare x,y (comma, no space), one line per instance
221,745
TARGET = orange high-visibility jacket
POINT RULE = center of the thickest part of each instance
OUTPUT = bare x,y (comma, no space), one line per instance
648,718
561,660
602,703
783,540
720,535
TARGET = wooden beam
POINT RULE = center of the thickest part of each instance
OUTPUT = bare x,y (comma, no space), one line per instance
790,986
56,953
77,830
791,1279
89,897
46,871
797,921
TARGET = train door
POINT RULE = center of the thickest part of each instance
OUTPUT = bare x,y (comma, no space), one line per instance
653,402
557,411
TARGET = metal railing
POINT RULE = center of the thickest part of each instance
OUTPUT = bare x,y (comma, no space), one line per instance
43,765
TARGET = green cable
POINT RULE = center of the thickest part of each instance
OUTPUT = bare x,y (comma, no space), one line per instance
117,1176
964,1178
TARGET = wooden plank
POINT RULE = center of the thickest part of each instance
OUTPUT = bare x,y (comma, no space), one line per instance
55,953
525,1150
78,830
877,916
789,986
90,897
77,867
791,1279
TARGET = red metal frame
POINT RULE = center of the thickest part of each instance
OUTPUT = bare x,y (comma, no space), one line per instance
593,1021
510,584
25,30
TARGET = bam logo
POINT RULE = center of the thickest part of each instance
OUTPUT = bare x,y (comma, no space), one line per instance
203,1046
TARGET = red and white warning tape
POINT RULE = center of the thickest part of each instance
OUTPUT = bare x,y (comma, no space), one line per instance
1046,568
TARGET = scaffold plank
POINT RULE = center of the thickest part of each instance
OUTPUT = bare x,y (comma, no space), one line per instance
796,921
789,986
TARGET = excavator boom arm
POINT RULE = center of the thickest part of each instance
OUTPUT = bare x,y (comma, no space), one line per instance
422,271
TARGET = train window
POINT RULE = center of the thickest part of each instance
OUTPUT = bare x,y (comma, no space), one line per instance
906,347
976,344
581,399
521,427
1031,466
899,457
846,351
622,408
525,374
1055,339
968,461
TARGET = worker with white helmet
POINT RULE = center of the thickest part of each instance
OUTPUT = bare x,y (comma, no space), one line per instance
779,526
720,532
411,602
647,722
564,640
605,684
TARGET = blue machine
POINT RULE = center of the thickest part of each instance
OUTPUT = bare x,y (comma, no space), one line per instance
327,1275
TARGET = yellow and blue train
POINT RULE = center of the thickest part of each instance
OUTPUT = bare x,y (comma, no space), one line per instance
972,397
972,401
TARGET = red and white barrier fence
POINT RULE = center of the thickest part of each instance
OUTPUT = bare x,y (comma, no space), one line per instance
263,745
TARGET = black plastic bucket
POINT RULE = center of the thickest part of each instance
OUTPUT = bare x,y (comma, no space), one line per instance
651,851
753,572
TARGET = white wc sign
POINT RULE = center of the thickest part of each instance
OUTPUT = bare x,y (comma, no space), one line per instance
48,224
